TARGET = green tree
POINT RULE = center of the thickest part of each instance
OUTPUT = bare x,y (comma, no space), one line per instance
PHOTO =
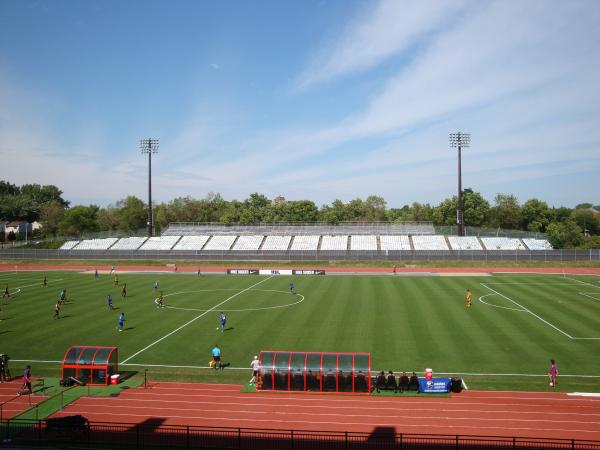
535,215
333,214
476,208
50,215
132,214
107,219
505,213
587,220
79,220
564,234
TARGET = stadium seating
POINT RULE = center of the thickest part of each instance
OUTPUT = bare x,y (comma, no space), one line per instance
502,243
160,243
391,242
537,244
220,243
96,244
334,243
130,243
464,243
251,242
191,243
305,243
363,242
430,243
68,245
276,243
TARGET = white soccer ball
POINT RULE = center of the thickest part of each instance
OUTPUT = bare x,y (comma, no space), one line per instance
217,328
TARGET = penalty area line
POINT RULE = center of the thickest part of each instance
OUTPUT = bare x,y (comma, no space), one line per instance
194,319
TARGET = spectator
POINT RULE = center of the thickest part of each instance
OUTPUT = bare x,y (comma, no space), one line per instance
403,383
413,383
390,382
26,388
380,382
255,364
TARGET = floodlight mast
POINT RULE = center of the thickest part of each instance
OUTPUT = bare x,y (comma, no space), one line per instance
460,140
149,146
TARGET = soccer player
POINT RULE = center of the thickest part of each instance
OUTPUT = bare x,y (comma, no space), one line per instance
468,296
6,292
552,373
109,301
62,296
216,356
45,282
124,290
198,273
161,299
292,288
223,321
155,285
57,311
116,279
121,321
96,273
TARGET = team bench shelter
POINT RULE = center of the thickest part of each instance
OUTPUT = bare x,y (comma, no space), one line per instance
90,364
314,372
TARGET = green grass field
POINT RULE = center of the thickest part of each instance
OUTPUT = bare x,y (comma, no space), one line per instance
516,324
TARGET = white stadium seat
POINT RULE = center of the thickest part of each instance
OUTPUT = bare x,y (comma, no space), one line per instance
220,243
429,242
130,243
537,244
363,242
391,242
502,243
160,243
305,243
68,245
276,243
464,243
248,243
334,243
191,243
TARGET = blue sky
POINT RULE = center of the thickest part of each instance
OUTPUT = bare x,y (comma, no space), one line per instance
308,99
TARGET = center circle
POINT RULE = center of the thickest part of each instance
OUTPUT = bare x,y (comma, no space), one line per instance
300,296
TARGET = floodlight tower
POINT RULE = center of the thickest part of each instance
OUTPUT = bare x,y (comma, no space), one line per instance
460,140
149,146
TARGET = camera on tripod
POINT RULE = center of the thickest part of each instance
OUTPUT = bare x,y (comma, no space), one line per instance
4,370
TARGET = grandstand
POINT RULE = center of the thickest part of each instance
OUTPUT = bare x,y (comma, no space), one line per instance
502,243
336,243
68,245
191,242
305,243
248,243
464,243
537,244
394,243
130,243
363,242
160,243
276,243
429,243
220,243
96,244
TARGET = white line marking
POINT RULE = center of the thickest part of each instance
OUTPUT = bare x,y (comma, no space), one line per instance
585,294
529,311
584,394
233,310
194,319
582,282
498,306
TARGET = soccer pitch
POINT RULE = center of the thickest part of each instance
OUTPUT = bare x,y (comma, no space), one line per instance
516,324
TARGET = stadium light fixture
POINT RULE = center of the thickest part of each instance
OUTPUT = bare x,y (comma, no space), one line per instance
149,146
460,140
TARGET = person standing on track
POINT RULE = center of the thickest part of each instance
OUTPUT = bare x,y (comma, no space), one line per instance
468,298
26,388
552,373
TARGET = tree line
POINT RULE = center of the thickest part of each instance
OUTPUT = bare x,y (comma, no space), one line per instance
564,227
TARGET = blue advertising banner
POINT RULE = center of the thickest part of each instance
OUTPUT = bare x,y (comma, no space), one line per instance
435,385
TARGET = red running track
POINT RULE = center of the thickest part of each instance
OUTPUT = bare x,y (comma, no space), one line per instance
483,413
13,405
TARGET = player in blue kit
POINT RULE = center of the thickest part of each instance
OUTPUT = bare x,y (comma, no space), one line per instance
223,321
292,288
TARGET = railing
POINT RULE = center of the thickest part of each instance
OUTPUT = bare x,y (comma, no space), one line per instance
153,433
54,403
10,400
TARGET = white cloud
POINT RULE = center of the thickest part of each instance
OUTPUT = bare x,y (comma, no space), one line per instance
389,28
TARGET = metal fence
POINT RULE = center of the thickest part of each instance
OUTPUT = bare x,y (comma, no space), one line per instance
350,255
155,434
